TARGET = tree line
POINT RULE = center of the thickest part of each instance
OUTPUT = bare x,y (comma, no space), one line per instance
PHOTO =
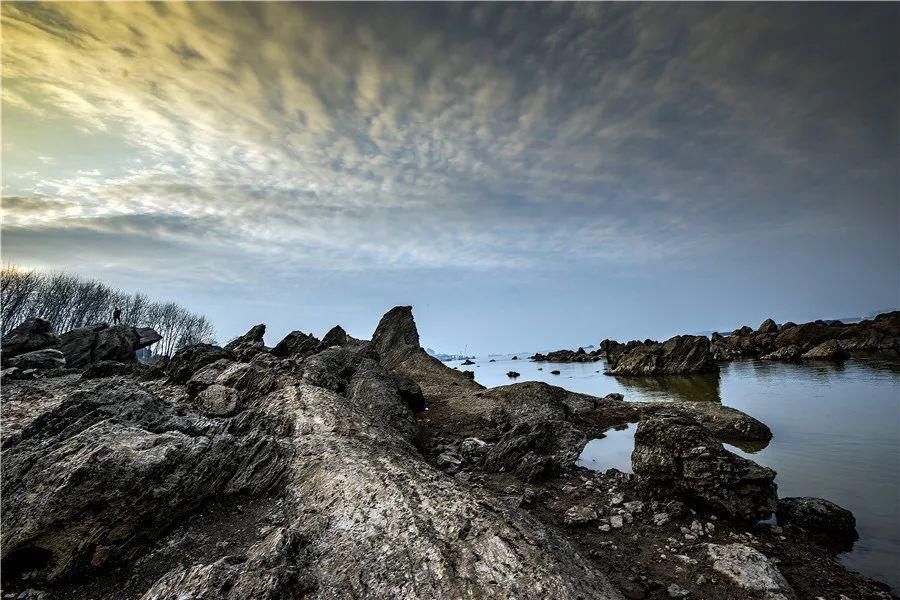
69,301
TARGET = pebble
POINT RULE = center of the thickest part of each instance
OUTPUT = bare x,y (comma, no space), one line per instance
616,521
660,519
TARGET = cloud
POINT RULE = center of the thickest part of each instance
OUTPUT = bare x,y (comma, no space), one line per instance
474,136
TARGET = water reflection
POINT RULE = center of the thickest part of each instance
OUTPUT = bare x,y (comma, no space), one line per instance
613,451
700,388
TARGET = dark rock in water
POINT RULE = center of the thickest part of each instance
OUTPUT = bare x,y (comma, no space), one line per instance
248,345
493,360
787,353
554,372
515,358
768,326
396,337
682,354
86,345
218,401
106,368
828,350
296,344
49,358
190,359
468,362
824,521
30,335
674,456
565,356
512,374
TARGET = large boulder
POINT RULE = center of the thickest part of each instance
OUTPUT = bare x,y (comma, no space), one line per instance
749,570
30,335
87,345
788,353
827,350
680,355
824,521
675,456
49,358
190,359
768,326
296,344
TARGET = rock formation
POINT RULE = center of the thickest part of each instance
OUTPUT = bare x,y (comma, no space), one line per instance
675,456
825,521
87,345
33,334
684,354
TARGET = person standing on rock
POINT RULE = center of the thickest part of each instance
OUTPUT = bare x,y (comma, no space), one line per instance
117,316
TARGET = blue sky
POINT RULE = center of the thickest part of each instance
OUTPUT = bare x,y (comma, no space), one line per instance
526,176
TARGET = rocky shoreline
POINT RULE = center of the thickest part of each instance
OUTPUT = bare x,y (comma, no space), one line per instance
313,469
690,354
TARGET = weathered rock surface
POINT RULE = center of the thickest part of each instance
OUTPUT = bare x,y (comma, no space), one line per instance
87,345
821,519
187,361
218,400
296,344
106,368
682,354
827,350
675,456
49,358
749,570
32,334
250,344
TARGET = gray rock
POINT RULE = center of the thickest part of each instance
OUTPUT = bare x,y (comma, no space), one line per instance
30,335
579,515
87,345
190,359
105,368
674,456
785,353
768,326
48,358
749,570
250,344
218,401
824,521
679,355
827,350
296,344
396,337
206,376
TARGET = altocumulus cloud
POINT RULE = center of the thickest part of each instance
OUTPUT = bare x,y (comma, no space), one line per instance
278,137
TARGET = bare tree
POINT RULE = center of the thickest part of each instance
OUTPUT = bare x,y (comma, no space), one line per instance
69,301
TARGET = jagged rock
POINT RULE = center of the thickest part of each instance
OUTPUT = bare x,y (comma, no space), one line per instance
30,335
331,368
749,570
250,344
679,355
296,344
218,400
468,362
206,376
105,368
48,358
768,326
579,515
565,356
823,520
190,359
86,345
512,374
787,353
674,456
742,331
396,337
827,350
111,467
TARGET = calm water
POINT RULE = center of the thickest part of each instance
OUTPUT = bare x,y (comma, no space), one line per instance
836,432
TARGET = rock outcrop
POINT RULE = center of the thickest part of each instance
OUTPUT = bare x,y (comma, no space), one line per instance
87,345
247,346
190,359
684,354
297,345
32,334
674,456
49,358
825,521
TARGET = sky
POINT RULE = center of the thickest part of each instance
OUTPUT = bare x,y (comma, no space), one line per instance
526,176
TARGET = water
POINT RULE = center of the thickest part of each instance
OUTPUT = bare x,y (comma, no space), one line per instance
836,432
